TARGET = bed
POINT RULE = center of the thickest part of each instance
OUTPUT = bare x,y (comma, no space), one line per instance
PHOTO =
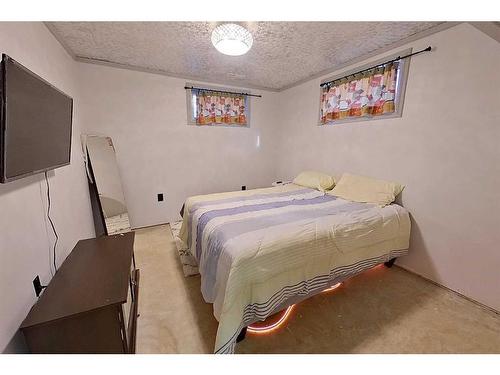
259,251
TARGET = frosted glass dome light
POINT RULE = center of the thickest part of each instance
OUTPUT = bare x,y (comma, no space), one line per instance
232,39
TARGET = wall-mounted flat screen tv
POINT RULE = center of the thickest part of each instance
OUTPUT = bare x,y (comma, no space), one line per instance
35,123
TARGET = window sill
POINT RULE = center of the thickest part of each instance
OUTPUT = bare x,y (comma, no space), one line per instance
360,119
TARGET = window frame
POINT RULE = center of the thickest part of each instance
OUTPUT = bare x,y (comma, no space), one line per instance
191,120
400,89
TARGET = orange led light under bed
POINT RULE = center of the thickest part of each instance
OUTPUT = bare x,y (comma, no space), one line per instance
264,329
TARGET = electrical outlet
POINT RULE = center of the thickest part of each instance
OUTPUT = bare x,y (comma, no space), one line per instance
160,197
38,286
244,187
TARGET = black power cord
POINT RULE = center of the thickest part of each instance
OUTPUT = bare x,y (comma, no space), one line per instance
51,222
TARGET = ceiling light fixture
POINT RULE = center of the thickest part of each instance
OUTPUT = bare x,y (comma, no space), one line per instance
232,39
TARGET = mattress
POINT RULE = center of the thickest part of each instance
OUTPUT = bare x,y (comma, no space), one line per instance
258,250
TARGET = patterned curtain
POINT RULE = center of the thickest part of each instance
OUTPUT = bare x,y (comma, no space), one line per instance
219,108
371,93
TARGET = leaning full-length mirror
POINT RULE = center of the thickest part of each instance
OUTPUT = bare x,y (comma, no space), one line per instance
106,177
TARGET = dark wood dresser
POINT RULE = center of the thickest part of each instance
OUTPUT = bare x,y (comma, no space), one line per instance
90,305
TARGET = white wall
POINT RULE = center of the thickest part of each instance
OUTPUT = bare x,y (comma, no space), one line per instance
25,238
445,148
145,115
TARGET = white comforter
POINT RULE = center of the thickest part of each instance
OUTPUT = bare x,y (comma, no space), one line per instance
256,249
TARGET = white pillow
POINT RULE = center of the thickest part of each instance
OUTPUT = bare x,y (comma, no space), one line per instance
366,189
315,180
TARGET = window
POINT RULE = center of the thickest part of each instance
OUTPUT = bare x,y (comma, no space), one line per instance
375,93
211,107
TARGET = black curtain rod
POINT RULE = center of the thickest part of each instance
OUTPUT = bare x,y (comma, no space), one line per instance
376,66
222,91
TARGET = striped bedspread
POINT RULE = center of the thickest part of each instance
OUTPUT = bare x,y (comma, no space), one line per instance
257,250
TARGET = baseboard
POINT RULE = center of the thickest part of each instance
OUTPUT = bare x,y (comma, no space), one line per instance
150,226
451,290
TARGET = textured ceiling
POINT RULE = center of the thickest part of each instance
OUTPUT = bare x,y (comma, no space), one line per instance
282,54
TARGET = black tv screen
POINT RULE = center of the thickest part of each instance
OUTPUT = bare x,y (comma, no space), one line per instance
35,123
